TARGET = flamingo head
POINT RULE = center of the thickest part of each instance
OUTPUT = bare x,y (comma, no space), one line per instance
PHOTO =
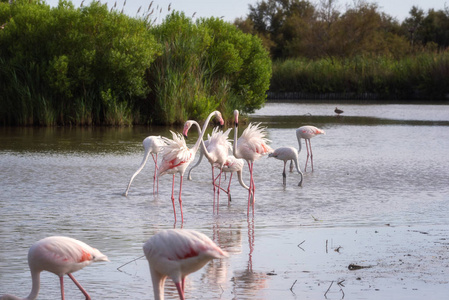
236,117
219,117
187,126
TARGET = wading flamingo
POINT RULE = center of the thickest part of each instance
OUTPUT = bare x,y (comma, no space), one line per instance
176,253
152,145
250,146
59,255
307,132
177,157
216,151
287,154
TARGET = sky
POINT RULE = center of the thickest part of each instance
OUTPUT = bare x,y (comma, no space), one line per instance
229,10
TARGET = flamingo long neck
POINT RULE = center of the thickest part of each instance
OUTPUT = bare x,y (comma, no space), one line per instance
200,137
158,285
299,170
239,176
234,149
299,142
203,146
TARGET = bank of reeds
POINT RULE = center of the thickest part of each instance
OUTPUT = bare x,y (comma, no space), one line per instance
422,76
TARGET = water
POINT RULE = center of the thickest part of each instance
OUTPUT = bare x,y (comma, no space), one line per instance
378,197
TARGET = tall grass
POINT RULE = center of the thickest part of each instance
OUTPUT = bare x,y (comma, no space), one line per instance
423,76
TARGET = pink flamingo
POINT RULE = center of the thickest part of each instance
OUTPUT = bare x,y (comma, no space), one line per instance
152,145
176,253
250,146
287,154
216,151
177,157
60,255
307,132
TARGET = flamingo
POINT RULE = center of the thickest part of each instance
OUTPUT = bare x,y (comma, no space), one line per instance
250,146
338,111
307,132
176,253
287,154
152,145
177,157
216,150
59,255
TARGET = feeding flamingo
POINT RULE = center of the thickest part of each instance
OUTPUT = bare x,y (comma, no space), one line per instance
250,146
152,145
307,132
216,151
176,253
177,157
59,255
287,154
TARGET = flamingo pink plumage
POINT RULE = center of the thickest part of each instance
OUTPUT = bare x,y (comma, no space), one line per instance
307,132
250,146
176,253
216,151
60,255
287,154
152,145
177,157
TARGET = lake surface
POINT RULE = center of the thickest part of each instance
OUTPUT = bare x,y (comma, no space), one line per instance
378,198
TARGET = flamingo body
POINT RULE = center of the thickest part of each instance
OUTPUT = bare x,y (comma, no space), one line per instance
307,132
250,146
177,157
152,145
59,255
175,253
287,154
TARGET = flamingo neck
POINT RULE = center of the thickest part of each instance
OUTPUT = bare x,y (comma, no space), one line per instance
239,176
234,147
299,171
203,146
299,142
200,137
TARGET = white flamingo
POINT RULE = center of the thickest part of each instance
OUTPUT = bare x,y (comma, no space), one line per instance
177,157
307,132
216,151
152,145
176,253
287,154
250,146
59,255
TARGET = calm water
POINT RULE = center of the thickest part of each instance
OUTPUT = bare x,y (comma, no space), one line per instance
378,195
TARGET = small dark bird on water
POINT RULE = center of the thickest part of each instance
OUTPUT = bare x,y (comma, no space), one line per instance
338,111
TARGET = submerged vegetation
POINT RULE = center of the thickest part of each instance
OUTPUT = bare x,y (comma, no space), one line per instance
94,65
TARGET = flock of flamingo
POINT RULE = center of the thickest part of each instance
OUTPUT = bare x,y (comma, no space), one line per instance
174,253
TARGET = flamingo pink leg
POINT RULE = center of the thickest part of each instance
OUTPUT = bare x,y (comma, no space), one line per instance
173,196
79,286
61,281
155,178
311,154
180,200
180,290
252,188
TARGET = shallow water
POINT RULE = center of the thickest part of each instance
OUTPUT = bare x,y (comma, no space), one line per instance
378,194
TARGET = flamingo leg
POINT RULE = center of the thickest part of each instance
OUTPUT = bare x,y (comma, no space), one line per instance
61,282
311,154
180,200
252,188
213,184
218,190
155,178
173,196
284,176
180,290
79,286
308,154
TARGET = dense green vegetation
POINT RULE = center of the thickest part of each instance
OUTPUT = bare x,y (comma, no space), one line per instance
321,49
92,65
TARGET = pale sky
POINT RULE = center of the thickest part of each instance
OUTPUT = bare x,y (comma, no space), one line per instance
231,9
